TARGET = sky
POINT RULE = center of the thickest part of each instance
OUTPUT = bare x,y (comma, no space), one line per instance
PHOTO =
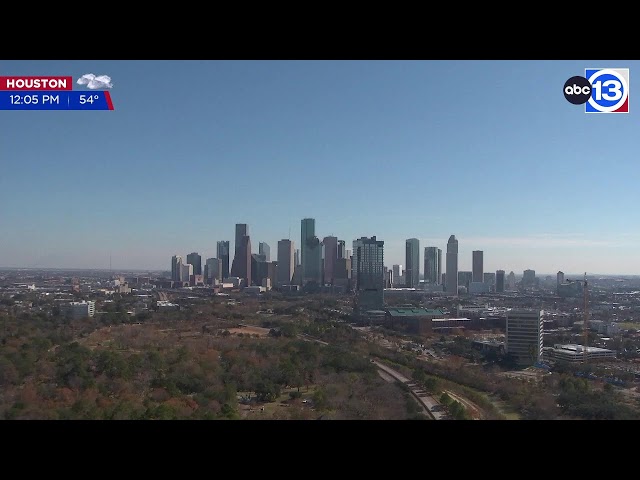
488,151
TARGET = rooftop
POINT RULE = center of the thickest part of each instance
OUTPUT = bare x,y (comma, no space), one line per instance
580,348
411,312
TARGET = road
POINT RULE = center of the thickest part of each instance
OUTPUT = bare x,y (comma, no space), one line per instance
429,403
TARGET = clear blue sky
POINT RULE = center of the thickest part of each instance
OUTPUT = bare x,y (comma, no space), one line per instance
489,151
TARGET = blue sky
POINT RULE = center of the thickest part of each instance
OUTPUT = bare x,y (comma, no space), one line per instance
489,151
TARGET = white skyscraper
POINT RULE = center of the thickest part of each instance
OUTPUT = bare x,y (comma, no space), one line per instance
186,272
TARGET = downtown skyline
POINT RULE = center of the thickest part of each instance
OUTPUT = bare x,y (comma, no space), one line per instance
519,173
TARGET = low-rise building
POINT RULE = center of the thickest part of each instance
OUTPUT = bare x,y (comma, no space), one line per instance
413,320
576,353
77,310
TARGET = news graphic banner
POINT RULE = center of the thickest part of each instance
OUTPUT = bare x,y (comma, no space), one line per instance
56,93
601,90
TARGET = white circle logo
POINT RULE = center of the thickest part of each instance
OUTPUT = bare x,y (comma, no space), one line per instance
609,90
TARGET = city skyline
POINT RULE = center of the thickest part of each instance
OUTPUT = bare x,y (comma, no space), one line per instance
528,178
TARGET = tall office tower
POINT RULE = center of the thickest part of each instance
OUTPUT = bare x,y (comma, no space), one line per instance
213,269
195,260
499,281
286,261
264,249
477,266
385,275
452,266
440,266
342,273
311,251
176,265
412,259
431,265
397,271
389,279
330,256
368,273
242,229
528,278
259,268
222,252
296,258
186,270
524,336
307,231
348,254
464,279
242,261
511,281
489,278
559,279
342,251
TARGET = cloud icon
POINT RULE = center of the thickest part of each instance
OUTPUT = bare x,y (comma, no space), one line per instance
92,82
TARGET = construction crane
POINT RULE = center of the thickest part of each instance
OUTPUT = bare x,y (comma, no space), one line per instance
585,313
585,291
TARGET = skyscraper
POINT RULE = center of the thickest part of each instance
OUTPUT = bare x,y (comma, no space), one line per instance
464,279
489,278
264,249
477,266
511,281
431,265
241,265
330,256
342,251
242,229
259,268
307,231
440,266
368,273
186,270
452,266
195,260
397,271
223,255
528,278
559,279
242,261
311,252
412,255
296,257
499,281
286,264
213,268
176,268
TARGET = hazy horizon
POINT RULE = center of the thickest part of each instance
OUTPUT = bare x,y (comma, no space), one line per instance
488,151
